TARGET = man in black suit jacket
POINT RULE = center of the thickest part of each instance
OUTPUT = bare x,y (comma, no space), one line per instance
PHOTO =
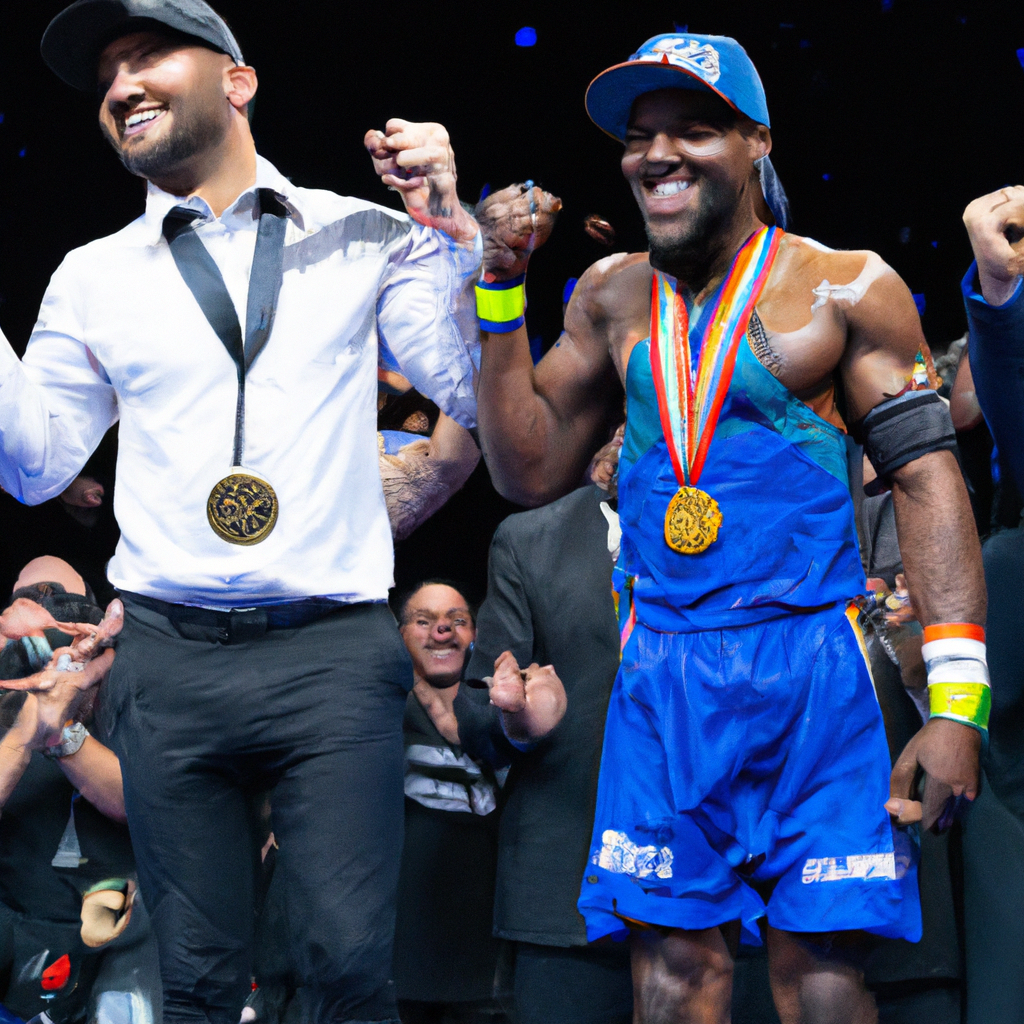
549,601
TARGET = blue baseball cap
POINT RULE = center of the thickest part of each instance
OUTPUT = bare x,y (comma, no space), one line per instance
716,64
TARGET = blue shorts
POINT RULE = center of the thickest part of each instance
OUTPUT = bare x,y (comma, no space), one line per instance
747,755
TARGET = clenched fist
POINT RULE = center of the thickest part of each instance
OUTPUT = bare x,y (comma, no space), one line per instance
416,159
995,226
515,221
532,700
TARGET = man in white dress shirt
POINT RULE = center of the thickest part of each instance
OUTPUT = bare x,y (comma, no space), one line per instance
233,329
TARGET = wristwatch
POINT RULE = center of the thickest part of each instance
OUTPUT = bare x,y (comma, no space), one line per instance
71,739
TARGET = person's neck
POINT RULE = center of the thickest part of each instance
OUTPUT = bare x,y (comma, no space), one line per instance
702,274
219,177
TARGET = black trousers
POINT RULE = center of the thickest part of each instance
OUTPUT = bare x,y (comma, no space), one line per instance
574,985
201,724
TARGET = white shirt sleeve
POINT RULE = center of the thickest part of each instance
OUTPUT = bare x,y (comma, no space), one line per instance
55,405
426,319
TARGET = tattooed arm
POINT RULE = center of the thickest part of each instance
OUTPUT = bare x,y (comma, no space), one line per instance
424,474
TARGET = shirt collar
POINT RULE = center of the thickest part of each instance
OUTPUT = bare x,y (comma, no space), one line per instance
159,203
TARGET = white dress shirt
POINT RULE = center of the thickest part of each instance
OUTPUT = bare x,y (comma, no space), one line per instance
120,336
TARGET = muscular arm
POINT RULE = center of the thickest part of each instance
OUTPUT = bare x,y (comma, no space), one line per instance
934,523
540,425
423,475
938,542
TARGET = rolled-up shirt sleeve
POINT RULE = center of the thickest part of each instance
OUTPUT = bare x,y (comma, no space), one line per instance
55,404
426,319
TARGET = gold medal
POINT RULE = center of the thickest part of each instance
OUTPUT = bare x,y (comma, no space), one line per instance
691,398
692,521
242,508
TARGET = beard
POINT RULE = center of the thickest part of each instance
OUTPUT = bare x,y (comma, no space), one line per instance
198,127
689,251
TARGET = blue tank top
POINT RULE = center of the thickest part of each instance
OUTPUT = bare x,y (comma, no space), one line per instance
788,541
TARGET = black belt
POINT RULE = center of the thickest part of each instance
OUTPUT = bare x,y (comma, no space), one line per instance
238,625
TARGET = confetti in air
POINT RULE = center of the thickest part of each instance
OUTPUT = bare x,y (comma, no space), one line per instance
526,36
599,229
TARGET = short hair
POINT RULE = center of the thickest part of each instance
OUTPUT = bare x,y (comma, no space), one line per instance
401,599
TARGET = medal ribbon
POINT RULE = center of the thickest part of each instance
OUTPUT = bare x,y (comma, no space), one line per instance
689,403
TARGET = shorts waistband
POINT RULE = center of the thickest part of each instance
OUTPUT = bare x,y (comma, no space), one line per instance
238,625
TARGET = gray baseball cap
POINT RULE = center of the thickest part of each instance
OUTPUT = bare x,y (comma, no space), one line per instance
74,40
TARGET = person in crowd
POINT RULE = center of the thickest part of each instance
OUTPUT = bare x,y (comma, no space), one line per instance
62,831
255,552
994,830
445,957
756,784
549,599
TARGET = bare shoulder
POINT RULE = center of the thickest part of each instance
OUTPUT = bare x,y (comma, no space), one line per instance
611,304
809,276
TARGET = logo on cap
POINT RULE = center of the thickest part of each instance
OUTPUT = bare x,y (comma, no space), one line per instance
691,55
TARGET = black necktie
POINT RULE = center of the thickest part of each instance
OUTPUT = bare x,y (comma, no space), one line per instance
204,280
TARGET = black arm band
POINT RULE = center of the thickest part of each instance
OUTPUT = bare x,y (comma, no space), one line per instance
903,429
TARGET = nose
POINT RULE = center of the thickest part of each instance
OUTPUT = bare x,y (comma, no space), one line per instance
661,150
442,629
125,89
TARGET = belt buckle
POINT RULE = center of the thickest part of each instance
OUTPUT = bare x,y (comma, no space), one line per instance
245,624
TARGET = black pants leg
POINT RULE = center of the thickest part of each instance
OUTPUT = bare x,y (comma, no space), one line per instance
200,725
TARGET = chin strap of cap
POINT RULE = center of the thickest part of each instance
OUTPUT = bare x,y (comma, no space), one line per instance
958,684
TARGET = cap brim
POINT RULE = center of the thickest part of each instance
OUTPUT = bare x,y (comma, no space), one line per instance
610,96
72,41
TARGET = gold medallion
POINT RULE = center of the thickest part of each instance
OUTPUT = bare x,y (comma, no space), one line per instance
692,521
242,508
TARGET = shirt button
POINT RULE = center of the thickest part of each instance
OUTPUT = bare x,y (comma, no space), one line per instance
591,879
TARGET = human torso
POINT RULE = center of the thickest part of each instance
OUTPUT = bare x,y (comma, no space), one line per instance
776,464
309,404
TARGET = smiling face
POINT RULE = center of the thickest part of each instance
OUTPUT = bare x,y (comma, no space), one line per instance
163,102
437,629
689,159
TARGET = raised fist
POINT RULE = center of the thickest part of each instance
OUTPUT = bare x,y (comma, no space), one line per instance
995,226
514,221
416,159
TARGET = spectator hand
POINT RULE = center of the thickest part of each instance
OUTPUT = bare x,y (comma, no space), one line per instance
515,221
106,911
532,700
995,226
56,696
948,752
417,161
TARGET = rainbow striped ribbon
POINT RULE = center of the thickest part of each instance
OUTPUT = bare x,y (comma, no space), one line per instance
690,403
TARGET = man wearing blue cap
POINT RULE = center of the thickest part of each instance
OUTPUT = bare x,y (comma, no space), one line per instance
744,786
233,329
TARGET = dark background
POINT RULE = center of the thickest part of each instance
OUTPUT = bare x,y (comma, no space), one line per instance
889,116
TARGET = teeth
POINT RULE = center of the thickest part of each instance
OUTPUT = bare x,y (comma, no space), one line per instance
669,188
145,115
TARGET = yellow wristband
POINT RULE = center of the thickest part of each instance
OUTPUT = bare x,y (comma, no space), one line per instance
501,306
970,703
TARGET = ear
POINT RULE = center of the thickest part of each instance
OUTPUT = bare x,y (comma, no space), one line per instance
760,142
240,85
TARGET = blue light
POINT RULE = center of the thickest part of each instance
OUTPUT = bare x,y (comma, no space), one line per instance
1020,57
526,36
826,177
935,245
23,152
919,302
